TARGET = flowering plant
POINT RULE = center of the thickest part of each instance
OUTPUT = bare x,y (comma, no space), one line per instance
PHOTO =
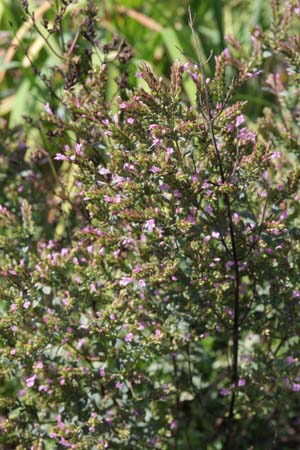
167,314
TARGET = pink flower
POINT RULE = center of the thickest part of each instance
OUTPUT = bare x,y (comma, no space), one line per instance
283,215
61,157
224,392
275,155
296,387
125,280
242,382
289,360
169,151
104,171
165,187
26,305
142,284
13,307
226,53
80,343
48,109
155,169
129,337
78,149
254,74
150,225
239,120
174,425
30,381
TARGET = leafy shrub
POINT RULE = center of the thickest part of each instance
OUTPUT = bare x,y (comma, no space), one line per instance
167,314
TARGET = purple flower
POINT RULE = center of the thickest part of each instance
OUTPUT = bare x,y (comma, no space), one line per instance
169,151
155,169
61,157
13,307
129,337
174,425
78,149
239,120
165,187
254,74
242,382
125,280
191,219
226,53
296,387
275,155
30,381
289,360
150,225
224,392
208,209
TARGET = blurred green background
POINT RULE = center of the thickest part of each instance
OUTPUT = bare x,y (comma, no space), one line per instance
158,32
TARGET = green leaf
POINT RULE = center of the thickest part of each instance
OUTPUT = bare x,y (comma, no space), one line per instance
218,10
19,108
10,65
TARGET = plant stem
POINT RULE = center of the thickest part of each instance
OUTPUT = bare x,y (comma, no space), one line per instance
235,336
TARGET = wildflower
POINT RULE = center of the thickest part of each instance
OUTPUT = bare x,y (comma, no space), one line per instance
239,120
128,337
142,284
48,109
155,169
125,280
150,225
61,157
224,392
30,381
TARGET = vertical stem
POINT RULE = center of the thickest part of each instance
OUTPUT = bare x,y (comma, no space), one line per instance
177,400
235,335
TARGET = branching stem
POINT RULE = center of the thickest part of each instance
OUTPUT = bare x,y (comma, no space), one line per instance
235,331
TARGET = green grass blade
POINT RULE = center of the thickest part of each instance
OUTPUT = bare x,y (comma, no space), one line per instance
175,51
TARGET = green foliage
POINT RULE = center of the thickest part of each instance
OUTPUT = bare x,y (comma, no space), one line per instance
149,239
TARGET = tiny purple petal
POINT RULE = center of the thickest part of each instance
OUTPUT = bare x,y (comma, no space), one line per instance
61,157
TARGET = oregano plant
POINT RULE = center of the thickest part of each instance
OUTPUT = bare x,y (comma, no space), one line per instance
166,315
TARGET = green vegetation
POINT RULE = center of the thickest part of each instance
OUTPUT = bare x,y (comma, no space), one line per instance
149,225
